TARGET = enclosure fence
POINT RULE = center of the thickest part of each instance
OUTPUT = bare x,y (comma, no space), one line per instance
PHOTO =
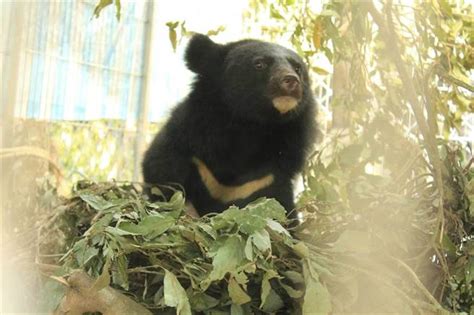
74,67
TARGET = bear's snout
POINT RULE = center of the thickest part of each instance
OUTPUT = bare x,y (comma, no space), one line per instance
285,82
290,83
285,90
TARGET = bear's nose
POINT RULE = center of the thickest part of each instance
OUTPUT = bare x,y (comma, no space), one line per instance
289,83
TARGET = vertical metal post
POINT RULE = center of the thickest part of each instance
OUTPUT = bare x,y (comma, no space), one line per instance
8,89
11,63
142,121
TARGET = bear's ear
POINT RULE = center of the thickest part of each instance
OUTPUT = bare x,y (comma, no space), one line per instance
202,55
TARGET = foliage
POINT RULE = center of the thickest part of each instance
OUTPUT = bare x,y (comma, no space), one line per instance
388,228
242,260
98,150
89,150
389,198
105,3
387,180
177,31
379,244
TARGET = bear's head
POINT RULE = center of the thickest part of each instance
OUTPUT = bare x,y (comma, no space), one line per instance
259,81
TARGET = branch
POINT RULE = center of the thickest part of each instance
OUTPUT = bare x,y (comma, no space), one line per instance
392,42
457,82
440,172
418,283
82,297
21,151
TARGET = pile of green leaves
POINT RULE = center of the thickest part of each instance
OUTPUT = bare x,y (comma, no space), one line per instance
241,261
367,244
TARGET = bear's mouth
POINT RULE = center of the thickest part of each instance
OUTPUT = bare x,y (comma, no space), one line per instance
284,104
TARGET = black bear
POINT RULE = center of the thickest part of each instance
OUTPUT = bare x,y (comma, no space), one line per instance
243,131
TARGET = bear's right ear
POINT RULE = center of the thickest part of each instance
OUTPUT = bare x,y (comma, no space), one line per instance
202,55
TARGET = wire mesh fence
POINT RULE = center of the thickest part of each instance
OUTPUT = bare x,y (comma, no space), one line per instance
73,67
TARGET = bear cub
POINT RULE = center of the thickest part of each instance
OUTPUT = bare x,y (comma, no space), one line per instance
244,130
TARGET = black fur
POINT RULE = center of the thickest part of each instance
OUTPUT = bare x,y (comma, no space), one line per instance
229,122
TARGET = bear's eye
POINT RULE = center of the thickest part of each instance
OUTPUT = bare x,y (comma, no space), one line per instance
259,64
298,69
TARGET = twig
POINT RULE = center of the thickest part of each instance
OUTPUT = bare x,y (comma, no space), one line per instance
392,42
30,151
381,280
418,283
81,297
47,268
456,81
468,166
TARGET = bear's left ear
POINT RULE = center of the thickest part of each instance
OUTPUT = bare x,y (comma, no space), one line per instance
202,55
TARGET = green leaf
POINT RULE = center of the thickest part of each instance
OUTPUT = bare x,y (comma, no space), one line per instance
456,28
118,232
207,229
273,302
118,7
172,25
216,31
448,245
83,252
157,192
446,8
103,280
249,249
120,275
460,75
293,293
470,271
100,6
173,37
301,249
227,218
274,14
229,256
316,298
175,295
100,225
471,206
293,276
151,226
319,70
248,224
277,227
176,202
241,278
261,240
236,293
236,309
96,202
266,286
267,209
202,302
251,218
